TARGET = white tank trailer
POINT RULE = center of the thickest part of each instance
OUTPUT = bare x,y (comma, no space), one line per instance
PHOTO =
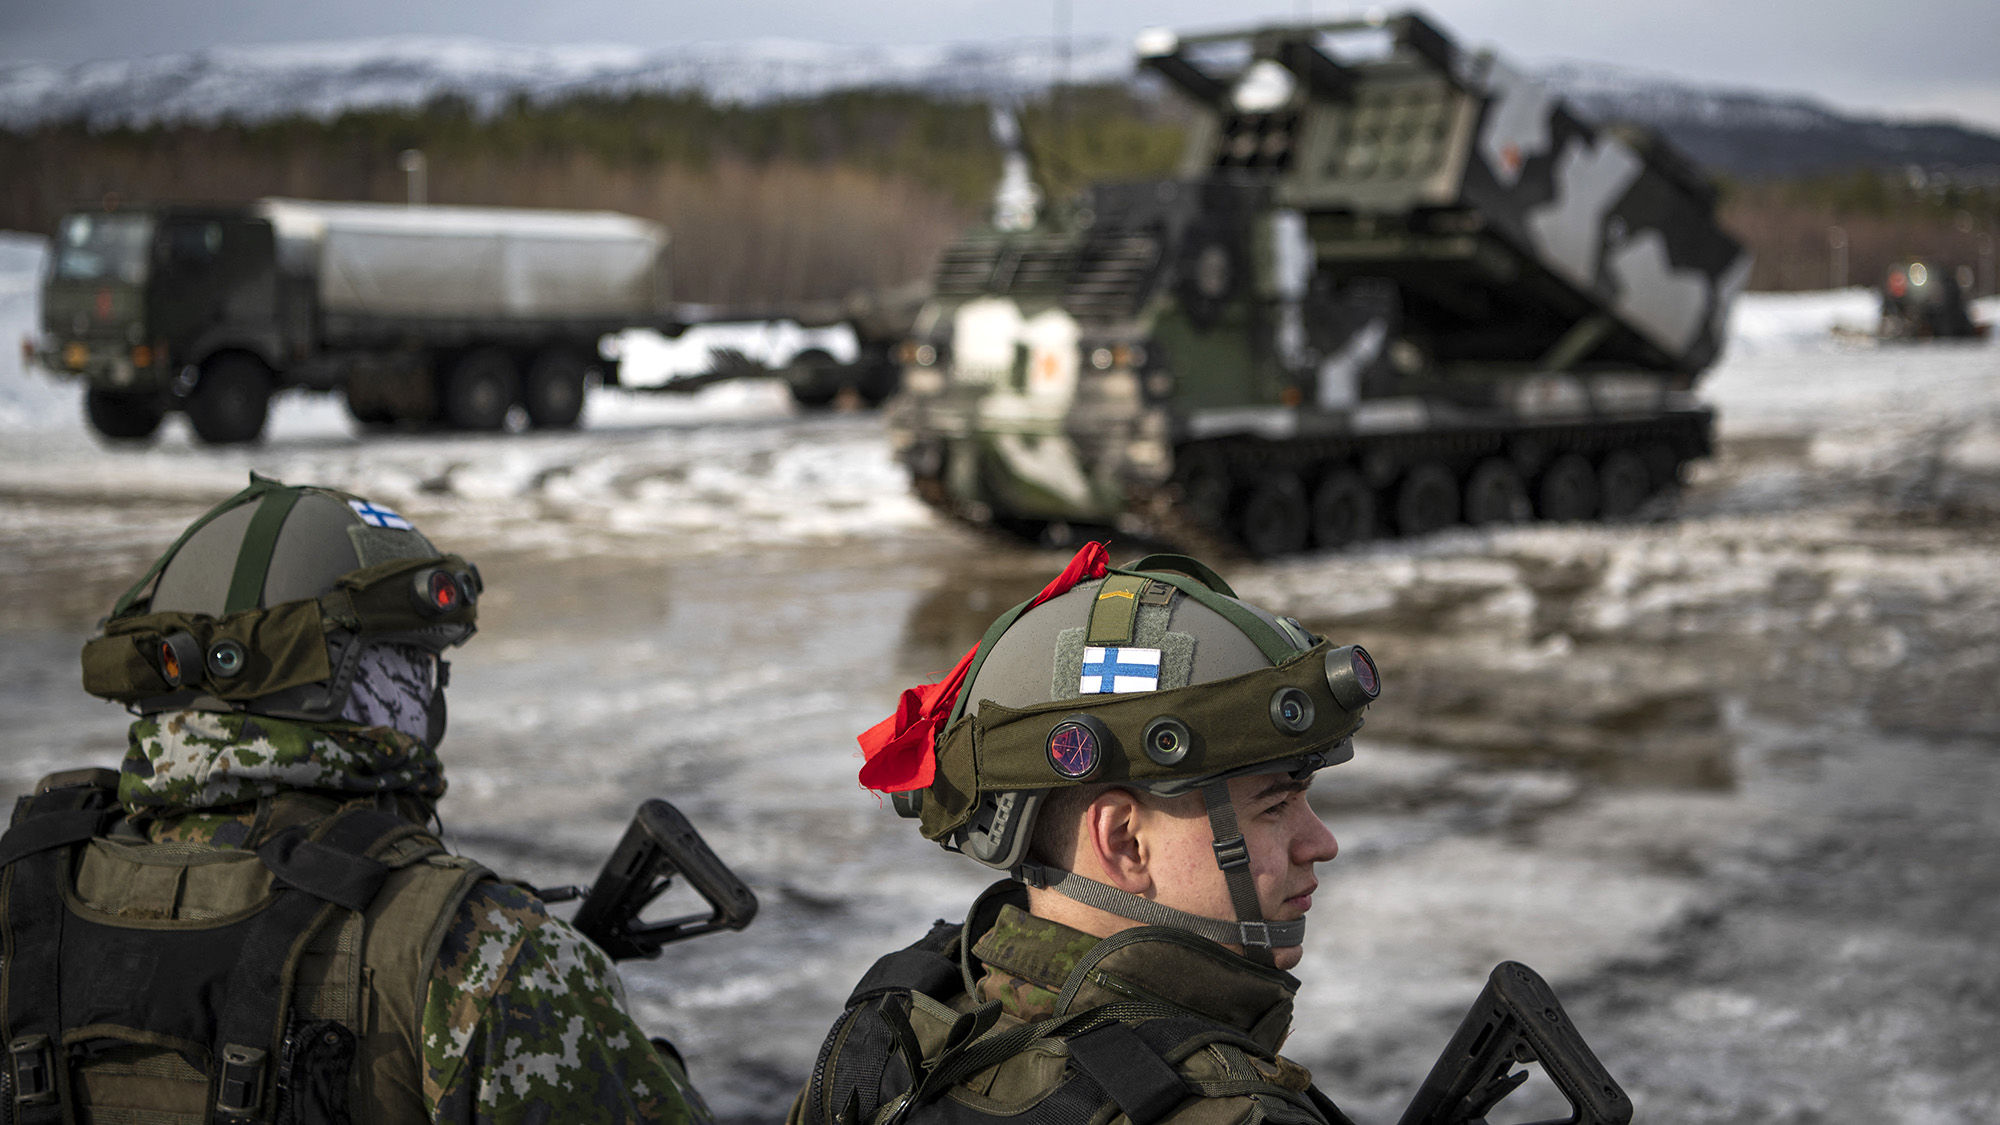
1394,285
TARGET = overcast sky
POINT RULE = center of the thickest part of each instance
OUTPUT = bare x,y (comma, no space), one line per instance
1893,57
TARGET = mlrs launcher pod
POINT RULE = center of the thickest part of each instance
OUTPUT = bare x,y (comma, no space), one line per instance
1394,284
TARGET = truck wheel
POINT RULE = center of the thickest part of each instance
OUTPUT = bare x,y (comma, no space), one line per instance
554,395
1622,483
1426,500
1568,490
122,416
877,380
231,401
367,413
812,379
1496,494
1276,520
1343,509
479,389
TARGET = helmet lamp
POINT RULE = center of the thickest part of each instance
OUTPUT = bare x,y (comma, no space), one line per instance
180,654
1352,675
438,591
225,659
1168,740
1291,710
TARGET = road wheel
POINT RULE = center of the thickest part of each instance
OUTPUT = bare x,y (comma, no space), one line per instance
479,389
1207,488
124,417
555,389
231,401
1663,468
1276,519
1622,483
1568,490
1427,500
1495,494
1343,509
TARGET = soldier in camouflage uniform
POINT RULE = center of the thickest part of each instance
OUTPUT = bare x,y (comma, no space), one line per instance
1133,747
476,1005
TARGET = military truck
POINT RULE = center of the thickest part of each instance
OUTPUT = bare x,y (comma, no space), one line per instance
1394,284
449,314
431,314
1923,301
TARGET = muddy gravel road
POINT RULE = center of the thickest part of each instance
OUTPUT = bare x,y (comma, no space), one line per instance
1725,774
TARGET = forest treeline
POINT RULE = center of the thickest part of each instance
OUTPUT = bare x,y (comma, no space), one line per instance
818,196
804,198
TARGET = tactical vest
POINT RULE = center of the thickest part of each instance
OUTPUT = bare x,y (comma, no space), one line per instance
186,984
914,1047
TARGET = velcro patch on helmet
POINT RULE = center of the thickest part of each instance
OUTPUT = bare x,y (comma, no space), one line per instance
1172,667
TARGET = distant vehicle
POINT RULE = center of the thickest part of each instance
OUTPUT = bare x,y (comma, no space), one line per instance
428,314
1386,291
1923,301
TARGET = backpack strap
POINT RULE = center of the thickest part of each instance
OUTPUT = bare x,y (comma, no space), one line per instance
315,877
848,1074
66,809
1129,1071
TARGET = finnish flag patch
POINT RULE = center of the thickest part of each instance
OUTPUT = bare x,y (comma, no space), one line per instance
1118,670
375,516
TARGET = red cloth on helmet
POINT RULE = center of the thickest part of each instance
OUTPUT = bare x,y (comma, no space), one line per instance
902,749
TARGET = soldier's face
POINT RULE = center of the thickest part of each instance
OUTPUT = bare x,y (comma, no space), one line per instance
1285,837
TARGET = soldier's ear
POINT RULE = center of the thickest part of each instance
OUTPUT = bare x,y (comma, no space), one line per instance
1116,840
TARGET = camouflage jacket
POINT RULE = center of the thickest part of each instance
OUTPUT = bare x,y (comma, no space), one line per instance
1229,1015
524,1019
1029,961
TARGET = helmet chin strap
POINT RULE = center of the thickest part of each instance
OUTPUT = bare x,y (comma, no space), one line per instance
1232,855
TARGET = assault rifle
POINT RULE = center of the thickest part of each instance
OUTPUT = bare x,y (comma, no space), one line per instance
659,845
1516,1019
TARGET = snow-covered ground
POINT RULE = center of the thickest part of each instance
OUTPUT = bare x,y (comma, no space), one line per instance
1724,774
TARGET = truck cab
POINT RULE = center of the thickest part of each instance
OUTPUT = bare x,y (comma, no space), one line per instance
165,309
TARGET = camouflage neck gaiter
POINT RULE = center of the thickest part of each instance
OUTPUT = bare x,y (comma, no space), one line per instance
182,761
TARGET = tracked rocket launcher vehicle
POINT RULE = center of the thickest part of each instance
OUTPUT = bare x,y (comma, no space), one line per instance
1389,289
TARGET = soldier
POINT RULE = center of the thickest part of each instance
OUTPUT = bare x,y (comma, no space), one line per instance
250,920
1133,746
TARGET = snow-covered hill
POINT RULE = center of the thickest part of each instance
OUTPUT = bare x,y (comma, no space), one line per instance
252,83
1743,132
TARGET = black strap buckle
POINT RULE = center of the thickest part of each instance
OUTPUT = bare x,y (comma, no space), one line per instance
1232,853
34,1061
241,1090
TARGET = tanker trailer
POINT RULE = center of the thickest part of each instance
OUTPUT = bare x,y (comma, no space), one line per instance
453,315
1386,291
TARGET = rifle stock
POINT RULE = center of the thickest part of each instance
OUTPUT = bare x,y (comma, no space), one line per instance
1517,1019
659,845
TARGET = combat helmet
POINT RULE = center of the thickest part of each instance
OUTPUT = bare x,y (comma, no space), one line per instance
296,602
1154,677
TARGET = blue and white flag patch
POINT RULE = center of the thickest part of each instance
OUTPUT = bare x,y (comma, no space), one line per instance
1119,670
375,516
